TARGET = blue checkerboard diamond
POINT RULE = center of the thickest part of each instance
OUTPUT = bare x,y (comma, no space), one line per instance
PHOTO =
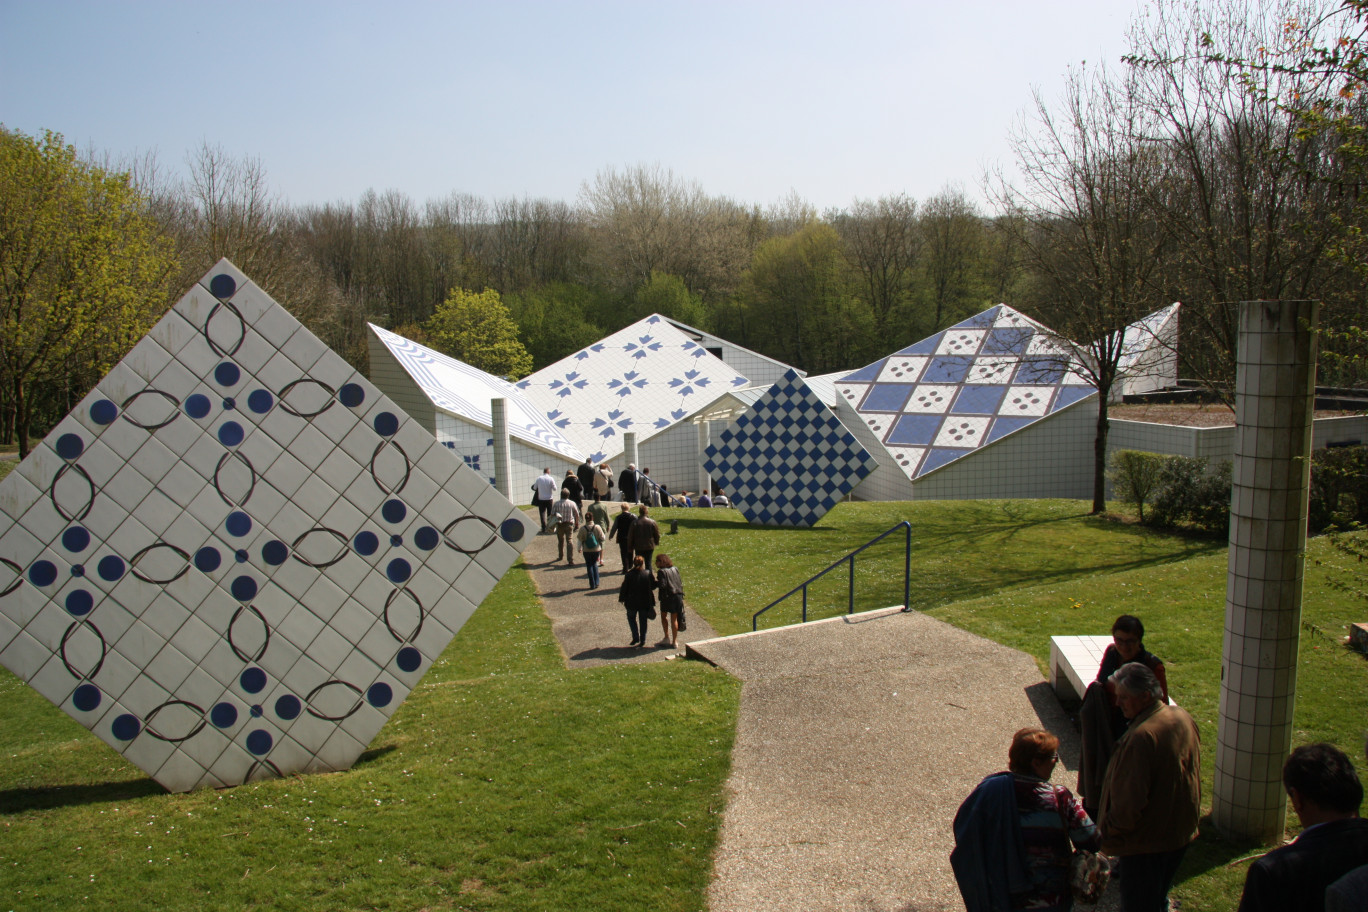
787,459
235,558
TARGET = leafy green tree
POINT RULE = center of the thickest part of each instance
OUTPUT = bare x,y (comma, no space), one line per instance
83,269
477,329
668,296
559,318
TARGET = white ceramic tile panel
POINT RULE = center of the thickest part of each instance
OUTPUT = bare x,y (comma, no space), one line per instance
1149,354
642,379
973,384
788,459
176,552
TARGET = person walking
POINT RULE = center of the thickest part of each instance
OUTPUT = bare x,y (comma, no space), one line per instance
603,482
645,534
627,483
1152,792
622,531
591,536
544,495
567,521
671,598
1015,833
637,594
576,490
585,473
600,514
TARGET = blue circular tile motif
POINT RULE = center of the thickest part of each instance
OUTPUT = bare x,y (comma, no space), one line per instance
86,697
274,552
103,412
207,559
366,543
244,588
259,742
125,727
197,406
394,511
75,539
229,404
380,694
227,374
512,530
230,433
79,602
427,538
398,570
256,711
386,423
43,573
396,541
351,395
70,446
110,568
222,286
223,715
253,680
238,524
408,659
260,401
288,707
78,570
241,555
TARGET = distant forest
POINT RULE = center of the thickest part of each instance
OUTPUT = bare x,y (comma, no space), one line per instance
1196,172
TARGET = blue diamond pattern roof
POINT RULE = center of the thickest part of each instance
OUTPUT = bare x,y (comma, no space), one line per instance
972,384
788,459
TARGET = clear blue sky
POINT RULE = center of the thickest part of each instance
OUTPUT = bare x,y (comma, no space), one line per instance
498,98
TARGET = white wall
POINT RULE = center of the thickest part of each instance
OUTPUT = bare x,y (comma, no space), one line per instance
473,444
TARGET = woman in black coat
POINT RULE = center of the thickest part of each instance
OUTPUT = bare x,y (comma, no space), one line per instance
638,595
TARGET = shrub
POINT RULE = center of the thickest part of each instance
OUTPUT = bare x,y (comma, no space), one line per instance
1339,488
1134,476
1187,492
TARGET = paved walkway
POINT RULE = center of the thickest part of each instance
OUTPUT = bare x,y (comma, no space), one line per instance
857,739
590,623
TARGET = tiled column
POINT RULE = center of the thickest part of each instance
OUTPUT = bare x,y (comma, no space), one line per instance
1274,400
629,451
704,479
499,431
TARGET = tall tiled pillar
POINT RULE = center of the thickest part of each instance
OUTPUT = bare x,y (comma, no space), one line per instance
499,431
1274,399
704,480
629,451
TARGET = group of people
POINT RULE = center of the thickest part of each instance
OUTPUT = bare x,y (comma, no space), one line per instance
1140,784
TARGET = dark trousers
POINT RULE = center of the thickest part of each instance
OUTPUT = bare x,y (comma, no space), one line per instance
544,512
626,558
639,620
646,556
591,563
1145,880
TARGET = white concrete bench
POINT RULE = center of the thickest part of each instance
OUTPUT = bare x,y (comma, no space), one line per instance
1074,661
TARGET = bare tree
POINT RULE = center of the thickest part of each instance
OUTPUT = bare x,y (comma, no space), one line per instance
882,244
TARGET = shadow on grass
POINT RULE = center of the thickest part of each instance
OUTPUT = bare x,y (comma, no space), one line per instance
19,801
614,653
1212,850
375,753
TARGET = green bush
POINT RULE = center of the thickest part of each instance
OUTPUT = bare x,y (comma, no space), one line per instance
1188,493
1134,476
1339,488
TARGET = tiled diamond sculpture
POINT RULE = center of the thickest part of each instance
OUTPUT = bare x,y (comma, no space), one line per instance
235,557
787,459
971,385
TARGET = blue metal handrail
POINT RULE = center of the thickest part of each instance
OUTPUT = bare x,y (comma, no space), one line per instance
850,607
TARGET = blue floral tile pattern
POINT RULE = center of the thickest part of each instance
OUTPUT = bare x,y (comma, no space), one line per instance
978,381
787,459
463,390
235,558
644,379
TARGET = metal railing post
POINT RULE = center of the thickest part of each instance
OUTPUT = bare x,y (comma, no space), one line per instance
850,606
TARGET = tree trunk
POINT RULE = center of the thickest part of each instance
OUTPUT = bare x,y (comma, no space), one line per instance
1099,504
21,417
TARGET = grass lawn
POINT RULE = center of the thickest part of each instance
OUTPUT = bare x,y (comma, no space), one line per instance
507,782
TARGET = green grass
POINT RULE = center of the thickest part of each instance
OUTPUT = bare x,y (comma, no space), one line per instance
506,781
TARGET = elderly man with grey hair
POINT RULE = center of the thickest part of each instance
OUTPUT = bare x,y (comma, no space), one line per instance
1152,793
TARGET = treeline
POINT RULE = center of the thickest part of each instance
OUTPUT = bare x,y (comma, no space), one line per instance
1184,175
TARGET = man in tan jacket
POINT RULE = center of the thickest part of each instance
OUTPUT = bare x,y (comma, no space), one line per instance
1152,793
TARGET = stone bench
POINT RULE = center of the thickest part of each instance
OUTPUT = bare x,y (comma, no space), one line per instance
1074,661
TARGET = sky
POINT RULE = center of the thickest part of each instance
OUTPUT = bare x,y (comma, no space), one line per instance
752,100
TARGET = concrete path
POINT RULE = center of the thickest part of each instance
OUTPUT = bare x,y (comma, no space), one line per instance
590,623
858,738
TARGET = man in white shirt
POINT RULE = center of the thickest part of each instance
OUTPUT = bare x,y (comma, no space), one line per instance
567,521
544,493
